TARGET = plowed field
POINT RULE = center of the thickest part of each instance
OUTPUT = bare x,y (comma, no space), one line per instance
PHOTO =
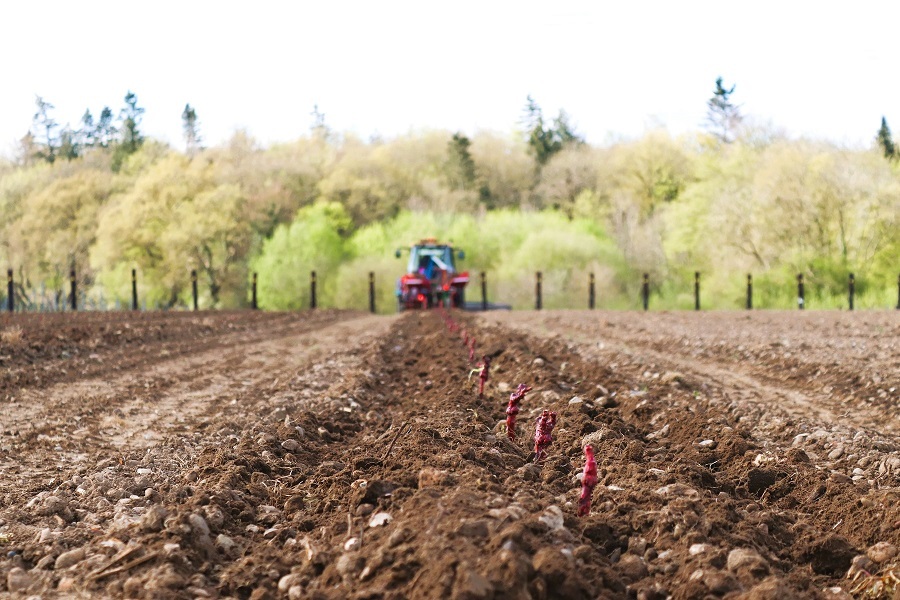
334,455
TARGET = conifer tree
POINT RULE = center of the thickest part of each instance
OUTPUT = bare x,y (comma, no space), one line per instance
723,117
461,166
45,130
885,140
190,125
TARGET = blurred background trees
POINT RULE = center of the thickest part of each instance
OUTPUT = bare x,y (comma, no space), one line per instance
103,199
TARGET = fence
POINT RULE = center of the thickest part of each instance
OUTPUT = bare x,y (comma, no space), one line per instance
57,301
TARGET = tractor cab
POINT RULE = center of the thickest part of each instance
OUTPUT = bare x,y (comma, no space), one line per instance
431,277
430,260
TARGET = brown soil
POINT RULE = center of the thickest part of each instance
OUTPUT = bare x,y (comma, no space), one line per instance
340,455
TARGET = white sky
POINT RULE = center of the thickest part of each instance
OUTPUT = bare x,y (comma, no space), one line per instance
823,69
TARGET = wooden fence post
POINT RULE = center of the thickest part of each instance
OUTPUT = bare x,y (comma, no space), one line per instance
696,290
749,291
134,297
74,288
194,287
484,298
801,292
371,291
253,303
538,300
645,291
591,294
10,291
312,289
851,289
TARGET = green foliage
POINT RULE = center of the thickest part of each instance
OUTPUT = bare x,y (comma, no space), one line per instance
176,217
886,141
460,166
665,205
313,242
132,138
544,141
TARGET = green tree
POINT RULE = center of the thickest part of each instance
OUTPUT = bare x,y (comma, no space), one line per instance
460,165
45,130
190,126
86,134
105,131
132,138
885,140
723,117
69,145
314,241
545,141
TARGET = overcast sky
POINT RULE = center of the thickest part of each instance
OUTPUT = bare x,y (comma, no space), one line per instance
822,69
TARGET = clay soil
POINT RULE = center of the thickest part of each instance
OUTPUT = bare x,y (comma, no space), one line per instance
333,455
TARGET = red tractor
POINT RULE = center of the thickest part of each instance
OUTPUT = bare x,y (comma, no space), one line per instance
431,277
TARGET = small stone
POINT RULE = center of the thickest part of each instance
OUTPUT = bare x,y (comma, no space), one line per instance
503,387
837,477
696,549
632,568
68,559
747,564
707,444
352,544
288,581
290,445
550,396
605,402
552,518
398,537
670,376
45,563
770,588
538,362
224,543
153,519
836,453
471,585
17,580
215,518
54,505
860,563
473,529
364,509
46,536
296,593
198,524
349,565
594,438
881,552
379,519
720,582
431,477
678,490
575,401
65,584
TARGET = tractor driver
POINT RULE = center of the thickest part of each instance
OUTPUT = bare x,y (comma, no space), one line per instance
426,267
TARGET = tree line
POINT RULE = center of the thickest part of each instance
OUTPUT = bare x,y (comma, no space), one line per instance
728,199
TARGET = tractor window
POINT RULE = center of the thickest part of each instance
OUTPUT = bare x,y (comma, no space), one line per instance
430,258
